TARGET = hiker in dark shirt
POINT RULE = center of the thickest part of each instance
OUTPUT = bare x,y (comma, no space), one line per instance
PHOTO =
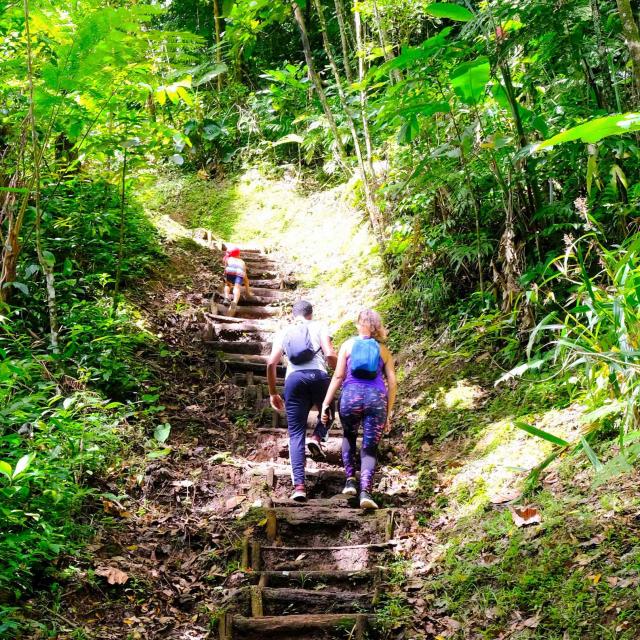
366,374
308,348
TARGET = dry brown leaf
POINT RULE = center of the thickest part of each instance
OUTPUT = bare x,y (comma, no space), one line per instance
234,501
524,516
113,575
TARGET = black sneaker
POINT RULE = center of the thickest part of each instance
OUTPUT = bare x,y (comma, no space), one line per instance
315,449
366,501
351,487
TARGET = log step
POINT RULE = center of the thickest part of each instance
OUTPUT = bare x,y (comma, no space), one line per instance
243,348
311,578
255,363
272,283
250,312
294,626
326,515
357,557
286,601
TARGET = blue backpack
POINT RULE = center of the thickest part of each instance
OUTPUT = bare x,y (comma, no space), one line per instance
297,344
365,358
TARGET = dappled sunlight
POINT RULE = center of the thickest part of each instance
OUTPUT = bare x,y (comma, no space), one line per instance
503,456
463,395
328,241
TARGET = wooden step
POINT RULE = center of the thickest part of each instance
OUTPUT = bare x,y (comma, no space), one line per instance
318,516
311,578
249,301
255,363
243,348
250,312
241,380
273,283
357,557
287,601
352,625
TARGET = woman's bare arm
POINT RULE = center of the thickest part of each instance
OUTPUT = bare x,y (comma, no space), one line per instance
336,380
392,382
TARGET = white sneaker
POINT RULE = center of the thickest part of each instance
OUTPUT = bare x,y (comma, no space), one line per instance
299,494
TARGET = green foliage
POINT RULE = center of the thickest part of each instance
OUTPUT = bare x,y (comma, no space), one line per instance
50,442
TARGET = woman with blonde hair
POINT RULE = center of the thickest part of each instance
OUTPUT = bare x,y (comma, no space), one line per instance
366,373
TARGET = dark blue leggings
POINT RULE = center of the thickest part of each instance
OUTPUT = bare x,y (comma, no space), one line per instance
303,390
362,403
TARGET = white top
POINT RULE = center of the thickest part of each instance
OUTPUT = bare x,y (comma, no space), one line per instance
316,331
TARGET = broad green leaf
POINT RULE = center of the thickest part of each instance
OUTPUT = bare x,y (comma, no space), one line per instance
545,435
19,286
594,130
212,73
292,137
450,11
410,130
23,464
49,258
159,453
162,432
5,469
469,80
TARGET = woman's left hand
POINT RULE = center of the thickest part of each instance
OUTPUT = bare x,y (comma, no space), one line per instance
387,426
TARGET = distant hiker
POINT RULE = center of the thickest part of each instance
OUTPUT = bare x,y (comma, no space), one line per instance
363,364
308,348
235,275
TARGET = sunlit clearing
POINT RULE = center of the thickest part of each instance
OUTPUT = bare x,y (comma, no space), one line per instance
502,458
463,396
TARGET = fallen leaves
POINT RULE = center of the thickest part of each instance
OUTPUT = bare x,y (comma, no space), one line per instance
112,574
234,501
525,516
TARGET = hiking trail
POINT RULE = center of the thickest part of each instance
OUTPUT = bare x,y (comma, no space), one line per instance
313,570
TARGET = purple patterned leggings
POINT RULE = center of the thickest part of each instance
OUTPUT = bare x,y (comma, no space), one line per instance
362,403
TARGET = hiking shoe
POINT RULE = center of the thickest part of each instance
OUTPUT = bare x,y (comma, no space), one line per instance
232,308
351,487
315,449
366,501
299,493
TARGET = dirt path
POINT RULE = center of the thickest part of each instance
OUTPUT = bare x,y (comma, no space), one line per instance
208,541
309,571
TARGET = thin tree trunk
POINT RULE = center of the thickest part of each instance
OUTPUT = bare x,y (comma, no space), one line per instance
315,79
47,266
116,288
216,21
632,36
363,92
395,75
345,106
530,173
343,41
603,56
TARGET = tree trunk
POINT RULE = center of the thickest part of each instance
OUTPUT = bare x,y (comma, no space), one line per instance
603,55
632,36
315,79
216,21
45,262
344,41
363,93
